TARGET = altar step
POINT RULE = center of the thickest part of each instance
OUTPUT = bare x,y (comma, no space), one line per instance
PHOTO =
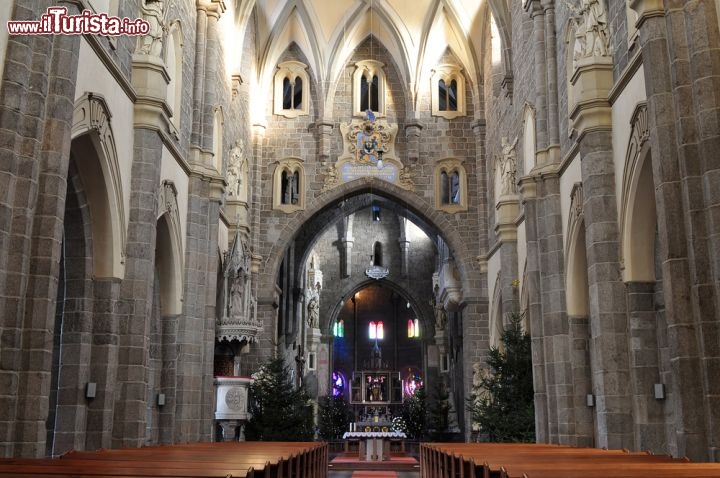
396,462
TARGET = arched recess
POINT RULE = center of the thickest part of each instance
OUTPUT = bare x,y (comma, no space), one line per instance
503,21
417,304
637,210
169,260
326,207
576,274
529,144
497,325
93,147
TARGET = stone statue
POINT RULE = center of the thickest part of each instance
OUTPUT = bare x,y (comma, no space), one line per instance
234,173
508,167
313,318
440,318
331,178
236,293
151,43
592,29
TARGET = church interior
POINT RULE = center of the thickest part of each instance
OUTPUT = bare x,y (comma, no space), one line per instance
372,190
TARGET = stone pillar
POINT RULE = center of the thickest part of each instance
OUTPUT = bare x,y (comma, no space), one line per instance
136,292
508,209
475,345
404,244
553,125
648,412
38,93
558,369
582,384
528,190
347,244
683,347
608,309
199,79
702,30
537,13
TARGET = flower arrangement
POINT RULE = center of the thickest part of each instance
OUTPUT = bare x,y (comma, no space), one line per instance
399,425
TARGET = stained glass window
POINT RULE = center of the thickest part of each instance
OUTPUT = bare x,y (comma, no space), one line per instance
338,383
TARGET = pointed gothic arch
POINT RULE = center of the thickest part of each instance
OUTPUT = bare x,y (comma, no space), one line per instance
93,147
637,211
169,260
465,259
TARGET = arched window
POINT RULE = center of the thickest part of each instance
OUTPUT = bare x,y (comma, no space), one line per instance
450,186
413,328
376,330
369,88
291,90
339,328
289,185
217,136
448,91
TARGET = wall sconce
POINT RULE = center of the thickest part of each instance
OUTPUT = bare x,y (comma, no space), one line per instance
90,390
161,399
659,391
590,400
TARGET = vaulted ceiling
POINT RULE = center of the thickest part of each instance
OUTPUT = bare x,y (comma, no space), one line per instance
414,32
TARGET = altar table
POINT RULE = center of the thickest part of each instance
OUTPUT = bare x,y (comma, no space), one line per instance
374,446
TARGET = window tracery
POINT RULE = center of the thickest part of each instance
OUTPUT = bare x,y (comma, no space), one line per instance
291,97
450,186
448,91
289,185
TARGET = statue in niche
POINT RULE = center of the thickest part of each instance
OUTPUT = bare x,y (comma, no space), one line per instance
440,318
151,43
508,168
290,188
236,295
592,29
313,317
234,173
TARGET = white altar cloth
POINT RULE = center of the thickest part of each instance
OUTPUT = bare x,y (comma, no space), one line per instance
373,444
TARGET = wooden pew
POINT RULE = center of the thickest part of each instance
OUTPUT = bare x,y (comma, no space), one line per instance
201,460
491,460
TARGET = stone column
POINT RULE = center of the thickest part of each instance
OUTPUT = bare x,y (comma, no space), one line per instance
558,371
534,8
553,125
38,93
475,345
648,412
508,209
199,79
528,190
347,244
404,244
579,332
703,36
689,435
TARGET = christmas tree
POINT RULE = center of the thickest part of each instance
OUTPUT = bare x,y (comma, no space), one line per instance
333,417
501,403
280,411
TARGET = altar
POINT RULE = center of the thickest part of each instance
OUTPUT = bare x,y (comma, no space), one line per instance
374,446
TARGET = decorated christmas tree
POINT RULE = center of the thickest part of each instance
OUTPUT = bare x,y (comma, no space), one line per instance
280,410
501,403
333,417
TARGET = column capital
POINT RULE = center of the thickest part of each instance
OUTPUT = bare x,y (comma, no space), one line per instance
646,9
